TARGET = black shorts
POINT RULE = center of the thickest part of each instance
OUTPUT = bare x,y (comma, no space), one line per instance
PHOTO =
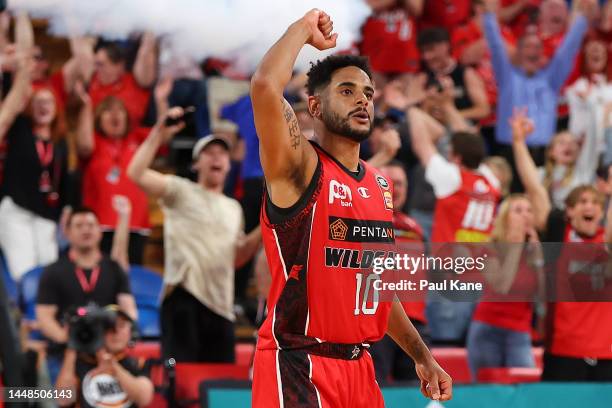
191,332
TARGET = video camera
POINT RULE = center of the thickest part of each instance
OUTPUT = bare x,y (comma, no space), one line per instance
87,326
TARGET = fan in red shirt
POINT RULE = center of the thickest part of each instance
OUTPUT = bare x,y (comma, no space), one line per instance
106,144
389,36
106,73
499,335
579,333
519,14
446,13
466,193
389,359
327,216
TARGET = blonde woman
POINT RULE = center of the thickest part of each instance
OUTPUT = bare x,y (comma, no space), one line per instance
499,334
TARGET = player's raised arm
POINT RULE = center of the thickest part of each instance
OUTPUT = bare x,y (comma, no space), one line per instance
287,159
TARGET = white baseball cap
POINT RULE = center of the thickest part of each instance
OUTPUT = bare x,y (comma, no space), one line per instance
205,141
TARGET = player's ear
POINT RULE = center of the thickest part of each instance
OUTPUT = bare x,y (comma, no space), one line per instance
314,106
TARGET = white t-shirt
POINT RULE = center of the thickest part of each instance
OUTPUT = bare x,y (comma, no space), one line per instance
445,177
201,231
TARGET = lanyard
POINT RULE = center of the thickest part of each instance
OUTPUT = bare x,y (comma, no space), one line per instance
88,287
45,152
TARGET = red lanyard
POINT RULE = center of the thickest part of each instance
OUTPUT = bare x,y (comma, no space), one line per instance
45,152
88,287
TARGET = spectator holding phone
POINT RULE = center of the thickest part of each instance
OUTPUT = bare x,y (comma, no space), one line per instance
204,241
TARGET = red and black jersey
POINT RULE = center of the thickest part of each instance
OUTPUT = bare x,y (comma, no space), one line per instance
581,329
320,253
467,214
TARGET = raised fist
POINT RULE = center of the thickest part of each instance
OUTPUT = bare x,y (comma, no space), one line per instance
321,27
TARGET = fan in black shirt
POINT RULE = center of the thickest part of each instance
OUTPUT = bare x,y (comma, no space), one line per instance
35,169
83,277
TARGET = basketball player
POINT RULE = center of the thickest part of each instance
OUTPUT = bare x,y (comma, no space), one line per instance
322,207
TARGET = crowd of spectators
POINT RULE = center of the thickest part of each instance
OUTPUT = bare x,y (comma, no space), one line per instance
493,119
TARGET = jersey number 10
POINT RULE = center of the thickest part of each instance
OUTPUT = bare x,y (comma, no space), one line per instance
478,215
362,304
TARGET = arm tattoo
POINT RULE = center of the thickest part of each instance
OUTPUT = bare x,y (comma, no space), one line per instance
294,129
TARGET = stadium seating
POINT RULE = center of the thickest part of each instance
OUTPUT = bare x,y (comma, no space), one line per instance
28,292
9,282
146,286
145,350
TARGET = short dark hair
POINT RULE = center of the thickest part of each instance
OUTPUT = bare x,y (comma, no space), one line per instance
431,36
320,73
78,211
115,52
469,147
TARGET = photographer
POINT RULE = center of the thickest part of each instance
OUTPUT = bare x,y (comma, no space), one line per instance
97,371
82,277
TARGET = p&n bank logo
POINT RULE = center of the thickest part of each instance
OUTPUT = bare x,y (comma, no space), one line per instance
341,192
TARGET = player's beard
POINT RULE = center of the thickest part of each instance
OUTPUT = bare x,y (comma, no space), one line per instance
341,126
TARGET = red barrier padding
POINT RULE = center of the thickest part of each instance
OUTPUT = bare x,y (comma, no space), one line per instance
454,361
190,375
244,354
145,350
509,375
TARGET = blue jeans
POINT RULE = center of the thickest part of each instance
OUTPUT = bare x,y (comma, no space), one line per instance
448,320
54,365
490,346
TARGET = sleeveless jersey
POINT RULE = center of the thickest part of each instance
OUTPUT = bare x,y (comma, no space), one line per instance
581,329
467,214
320,253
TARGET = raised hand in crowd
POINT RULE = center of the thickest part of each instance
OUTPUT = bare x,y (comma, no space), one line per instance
161,93
21,90
121,237
398,95
85,122
151,181
522,127
589,8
